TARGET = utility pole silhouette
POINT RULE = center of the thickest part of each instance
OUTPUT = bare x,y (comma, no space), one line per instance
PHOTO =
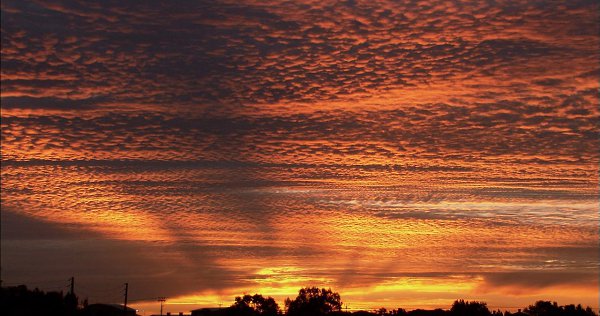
161,300
125,304
72,279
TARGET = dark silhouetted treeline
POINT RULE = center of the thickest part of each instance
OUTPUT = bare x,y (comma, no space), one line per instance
311,301
21,301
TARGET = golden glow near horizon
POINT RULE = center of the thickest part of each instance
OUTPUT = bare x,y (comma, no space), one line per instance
378,246
405,155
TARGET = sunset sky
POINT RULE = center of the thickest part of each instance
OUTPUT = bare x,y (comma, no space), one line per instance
403,153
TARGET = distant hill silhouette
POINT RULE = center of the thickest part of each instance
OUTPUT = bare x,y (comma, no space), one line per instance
311,301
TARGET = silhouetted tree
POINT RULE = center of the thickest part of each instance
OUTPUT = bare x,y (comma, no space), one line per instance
572,310
400,312
547,308
394,312
253,305
313,301
265,306
466,308
543,308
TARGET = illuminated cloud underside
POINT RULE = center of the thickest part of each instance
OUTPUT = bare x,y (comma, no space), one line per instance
405,154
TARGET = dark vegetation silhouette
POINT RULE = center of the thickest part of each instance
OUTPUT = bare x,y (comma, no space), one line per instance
311,301
254,305
20,301
546,308
466,308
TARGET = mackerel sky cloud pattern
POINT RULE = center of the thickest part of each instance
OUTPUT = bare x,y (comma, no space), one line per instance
385,127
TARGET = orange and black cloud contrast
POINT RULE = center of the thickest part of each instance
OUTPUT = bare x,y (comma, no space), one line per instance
404,153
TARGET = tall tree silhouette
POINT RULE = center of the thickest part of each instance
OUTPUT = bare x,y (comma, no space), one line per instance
254,305
313,301
466,308
543,308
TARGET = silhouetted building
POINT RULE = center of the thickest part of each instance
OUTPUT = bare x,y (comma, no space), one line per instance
214,311
108,310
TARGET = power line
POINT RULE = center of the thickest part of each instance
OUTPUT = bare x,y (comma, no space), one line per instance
125,303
